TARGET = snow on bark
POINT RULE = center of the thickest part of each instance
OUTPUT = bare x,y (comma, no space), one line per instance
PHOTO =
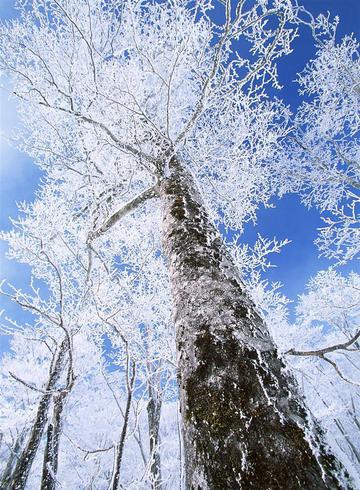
154,413
119,448
14,454
245,425
27,456
51,453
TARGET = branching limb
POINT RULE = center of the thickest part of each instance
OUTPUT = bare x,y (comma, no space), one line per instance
335,366
88,452
130,206
28,385
326,350
333,348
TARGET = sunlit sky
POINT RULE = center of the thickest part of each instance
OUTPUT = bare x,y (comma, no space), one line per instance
19,176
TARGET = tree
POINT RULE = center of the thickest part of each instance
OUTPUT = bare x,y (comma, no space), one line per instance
80,297
324,146
21,398
153,99
55,329
326,357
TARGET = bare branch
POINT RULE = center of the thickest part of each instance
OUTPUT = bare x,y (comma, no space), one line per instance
28,385
88,451
326,350
130,206
335,366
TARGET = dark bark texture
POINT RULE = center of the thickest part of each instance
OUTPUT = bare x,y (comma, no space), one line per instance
119,448
14,454
154,413
26,458
245,425
51,453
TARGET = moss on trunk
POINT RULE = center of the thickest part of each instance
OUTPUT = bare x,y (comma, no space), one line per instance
245,424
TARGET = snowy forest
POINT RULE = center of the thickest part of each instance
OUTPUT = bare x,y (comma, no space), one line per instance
148,346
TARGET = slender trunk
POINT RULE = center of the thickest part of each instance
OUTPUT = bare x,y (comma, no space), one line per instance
245,425
51,453
26,458
180,439
353,450
154,413
119,448
6,475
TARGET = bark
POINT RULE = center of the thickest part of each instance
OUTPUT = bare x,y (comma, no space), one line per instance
245,425
26,458
119,448
6,475
154,413
127,208
51,453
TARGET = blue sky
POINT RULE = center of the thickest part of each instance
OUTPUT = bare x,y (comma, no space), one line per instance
299,260
19,176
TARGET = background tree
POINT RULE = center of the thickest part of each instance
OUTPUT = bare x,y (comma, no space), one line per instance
330,323
80,293
324,147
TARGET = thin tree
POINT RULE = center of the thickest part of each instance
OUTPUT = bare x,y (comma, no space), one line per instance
325,141
55,324
54,429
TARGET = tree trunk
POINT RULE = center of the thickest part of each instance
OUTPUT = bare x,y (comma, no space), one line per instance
6,475
119,448
245,425
26,458
51,453
154,413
